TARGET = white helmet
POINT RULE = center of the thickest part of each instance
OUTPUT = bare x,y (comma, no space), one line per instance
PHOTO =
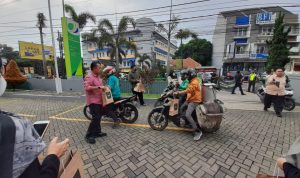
109,70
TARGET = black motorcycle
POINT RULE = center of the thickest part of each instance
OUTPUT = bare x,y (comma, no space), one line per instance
207,116
166,94
125,110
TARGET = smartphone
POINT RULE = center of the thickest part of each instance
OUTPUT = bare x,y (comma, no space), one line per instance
41,127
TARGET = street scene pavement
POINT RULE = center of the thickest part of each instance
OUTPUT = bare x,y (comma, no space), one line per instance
248,142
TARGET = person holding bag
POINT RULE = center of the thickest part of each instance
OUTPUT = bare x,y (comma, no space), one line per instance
20,146
93,89
134,79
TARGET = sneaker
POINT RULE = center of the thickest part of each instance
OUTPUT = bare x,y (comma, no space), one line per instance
90,140
279,114
100,134
197,135
243,94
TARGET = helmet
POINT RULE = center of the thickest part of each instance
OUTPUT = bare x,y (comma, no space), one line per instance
109,70
183,74
191,73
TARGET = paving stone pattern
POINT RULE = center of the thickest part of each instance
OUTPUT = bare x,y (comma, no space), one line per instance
247,143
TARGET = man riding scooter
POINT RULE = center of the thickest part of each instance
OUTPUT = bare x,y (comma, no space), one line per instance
183,86
194,98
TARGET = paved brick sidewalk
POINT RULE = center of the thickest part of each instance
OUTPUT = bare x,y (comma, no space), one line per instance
247,143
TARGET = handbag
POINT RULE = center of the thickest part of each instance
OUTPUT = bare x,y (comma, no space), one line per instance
72,166
275,174
140,88
107,97
174,108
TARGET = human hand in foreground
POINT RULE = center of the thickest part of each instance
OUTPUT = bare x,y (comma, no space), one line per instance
58,148
280,162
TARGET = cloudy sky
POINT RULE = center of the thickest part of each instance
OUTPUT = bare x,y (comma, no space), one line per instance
18,17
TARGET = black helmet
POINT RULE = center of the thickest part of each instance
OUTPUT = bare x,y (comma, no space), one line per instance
191,73
183,74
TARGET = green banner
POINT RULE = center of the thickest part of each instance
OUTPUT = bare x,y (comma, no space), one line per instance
72,51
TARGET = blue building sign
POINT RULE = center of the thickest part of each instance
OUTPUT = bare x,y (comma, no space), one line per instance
242,20
265,18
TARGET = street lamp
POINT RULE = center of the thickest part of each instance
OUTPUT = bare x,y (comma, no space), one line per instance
57,79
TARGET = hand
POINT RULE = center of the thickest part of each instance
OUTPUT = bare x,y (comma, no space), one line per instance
280,162
58,148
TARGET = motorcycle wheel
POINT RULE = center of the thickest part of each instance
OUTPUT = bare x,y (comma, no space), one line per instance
156,120
86,112
158,103
129,113
289,104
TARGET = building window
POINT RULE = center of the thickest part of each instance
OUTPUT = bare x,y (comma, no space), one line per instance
240,50
267,30
241,32
261,49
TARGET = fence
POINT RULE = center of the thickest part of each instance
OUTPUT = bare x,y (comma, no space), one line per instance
77,85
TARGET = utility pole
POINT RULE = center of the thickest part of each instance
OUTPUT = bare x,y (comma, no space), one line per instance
169,39
63,4
57,79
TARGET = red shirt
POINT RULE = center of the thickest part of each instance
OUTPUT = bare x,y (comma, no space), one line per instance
93,96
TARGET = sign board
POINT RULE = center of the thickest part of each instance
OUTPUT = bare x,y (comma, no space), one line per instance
265,18
71,36
33,51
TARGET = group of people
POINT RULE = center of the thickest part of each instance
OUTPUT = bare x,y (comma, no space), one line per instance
239,78
94,85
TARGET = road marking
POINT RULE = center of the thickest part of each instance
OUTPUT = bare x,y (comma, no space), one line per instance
69,110
26,115
131,125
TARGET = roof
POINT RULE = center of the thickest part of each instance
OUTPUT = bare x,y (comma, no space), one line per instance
187,63
250,10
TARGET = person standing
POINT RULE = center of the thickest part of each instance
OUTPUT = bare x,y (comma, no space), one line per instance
238,83
134,78
275,91
93,89
251,81
194,98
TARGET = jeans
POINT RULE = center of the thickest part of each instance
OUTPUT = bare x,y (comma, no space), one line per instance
94,127
140,95
188,113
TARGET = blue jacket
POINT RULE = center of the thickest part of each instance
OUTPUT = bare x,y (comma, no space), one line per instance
114,84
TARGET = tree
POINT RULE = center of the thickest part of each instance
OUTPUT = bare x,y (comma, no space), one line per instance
144,60
198,49
8,52
82,18
41,24
277,46
114,38
148,76
13,74
183,34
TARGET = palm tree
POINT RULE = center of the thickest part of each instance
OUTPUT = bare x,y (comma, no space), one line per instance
115,39
81,18
183,34
144,59
41,24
